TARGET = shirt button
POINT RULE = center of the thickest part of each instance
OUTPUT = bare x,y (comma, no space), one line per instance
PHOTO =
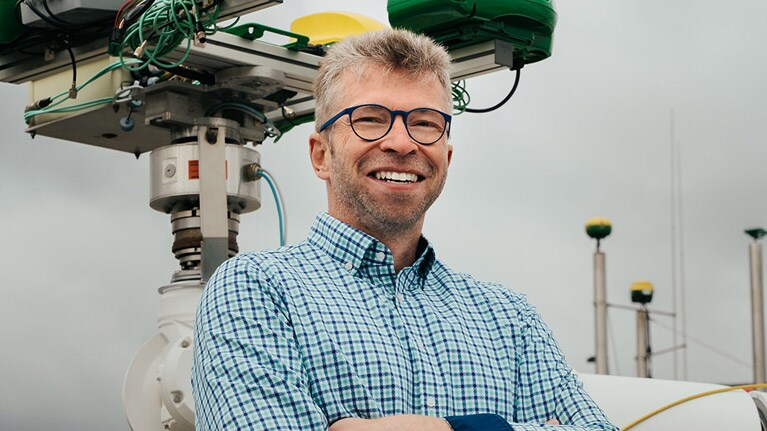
400,297
380,256
419,343
431,402
348,266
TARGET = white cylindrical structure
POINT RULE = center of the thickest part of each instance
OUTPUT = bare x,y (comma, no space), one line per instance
600,314
157,392
626,399
757,311
643,343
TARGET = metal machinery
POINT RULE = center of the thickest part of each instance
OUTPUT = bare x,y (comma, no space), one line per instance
757,301
203,172
642,293
600,228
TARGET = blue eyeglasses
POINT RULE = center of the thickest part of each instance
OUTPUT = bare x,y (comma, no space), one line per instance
372,122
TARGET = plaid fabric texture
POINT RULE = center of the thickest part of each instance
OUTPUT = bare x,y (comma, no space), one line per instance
299,337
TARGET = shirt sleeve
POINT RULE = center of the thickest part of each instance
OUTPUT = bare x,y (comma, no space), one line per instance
247,371
547,388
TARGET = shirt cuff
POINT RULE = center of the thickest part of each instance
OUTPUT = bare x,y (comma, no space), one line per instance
480,422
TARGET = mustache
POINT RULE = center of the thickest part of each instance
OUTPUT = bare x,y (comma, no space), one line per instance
407,161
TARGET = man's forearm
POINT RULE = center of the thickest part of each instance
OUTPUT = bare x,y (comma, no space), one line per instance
392,423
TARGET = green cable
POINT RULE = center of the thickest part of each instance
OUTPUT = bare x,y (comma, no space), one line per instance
166,24
461,98
53,106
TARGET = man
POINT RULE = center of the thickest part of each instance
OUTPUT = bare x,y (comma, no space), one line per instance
360,327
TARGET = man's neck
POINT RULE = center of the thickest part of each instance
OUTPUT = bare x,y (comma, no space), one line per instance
404,248
403,244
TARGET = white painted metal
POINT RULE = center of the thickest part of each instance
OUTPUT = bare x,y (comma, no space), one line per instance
625,399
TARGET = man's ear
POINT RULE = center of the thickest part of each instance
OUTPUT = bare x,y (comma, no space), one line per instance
449,154
319,154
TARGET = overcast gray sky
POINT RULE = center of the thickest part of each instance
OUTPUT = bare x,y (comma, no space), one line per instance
587,134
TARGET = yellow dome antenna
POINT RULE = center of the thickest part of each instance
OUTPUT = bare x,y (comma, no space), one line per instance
329,27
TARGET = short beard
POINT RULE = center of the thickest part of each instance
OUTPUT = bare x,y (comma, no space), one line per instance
368,212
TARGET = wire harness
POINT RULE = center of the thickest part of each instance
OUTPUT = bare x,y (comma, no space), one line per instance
54,104
151,29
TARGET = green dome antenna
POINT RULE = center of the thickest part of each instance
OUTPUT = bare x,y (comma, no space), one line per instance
527,24
598,228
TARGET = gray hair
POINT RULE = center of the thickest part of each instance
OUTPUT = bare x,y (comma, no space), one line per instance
391,50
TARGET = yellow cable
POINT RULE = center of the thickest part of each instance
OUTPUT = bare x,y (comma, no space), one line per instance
691,397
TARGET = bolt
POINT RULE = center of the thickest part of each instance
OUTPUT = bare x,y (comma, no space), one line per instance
185,344
170,170
127,123
288,113
177,398
211,136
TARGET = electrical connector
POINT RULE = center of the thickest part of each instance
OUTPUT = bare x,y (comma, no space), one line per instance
139,52
115,42
73,91
200,37
251,172
40,104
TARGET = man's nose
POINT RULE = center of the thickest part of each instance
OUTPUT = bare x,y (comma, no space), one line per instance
398,139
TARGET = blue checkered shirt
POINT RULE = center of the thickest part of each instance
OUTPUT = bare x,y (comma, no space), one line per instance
300,337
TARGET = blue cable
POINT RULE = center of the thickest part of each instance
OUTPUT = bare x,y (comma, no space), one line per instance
278,202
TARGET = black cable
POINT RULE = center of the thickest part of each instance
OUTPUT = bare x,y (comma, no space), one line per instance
57,22
502,102
95,23
65,42
133,14
53,16
41,15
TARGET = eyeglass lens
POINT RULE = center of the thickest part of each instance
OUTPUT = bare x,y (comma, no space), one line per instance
373,122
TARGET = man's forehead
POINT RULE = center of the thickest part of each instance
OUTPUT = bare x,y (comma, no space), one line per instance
366,75
363,72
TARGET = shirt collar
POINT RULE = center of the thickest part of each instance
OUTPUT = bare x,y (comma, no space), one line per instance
355,249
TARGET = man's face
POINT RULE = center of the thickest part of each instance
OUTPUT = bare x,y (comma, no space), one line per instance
356,170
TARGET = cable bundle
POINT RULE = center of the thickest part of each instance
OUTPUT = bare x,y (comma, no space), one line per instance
52,104
151,29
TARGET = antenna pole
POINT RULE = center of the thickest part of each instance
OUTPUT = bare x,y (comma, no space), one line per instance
757,301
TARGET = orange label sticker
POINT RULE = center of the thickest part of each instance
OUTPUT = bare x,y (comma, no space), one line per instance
194,169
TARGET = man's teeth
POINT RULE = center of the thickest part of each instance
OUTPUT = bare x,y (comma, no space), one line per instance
400,177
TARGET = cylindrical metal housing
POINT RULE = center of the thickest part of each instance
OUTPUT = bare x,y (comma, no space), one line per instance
757,311
174,178
600,314
187,236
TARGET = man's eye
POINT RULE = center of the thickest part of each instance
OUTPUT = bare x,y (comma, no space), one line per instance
369,119
424,124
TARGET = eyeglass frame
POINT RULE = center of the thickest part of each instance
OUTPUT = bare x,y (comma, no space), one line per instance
393,115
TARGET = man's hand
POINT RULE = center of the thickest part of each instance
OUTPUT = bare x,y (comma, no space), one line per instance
392,423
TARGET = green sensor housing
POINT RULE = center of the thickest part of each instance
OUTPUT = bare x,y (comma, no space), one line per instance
527,24
10,24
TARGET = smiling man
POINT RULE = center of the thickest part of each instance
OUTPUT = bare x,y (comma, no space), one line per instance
361,327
